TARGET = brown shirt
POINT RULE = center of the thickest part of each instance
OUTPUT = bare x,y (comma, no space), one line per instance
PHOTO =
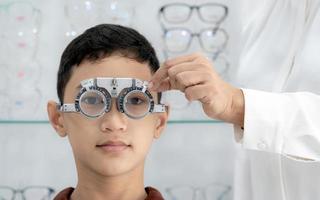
152,193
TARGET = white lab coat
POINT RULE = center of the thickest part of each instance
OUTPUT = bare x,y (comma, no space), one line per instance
281,138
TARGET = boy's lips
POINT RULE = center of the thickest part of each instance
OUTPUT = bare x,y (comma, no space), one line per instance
113,146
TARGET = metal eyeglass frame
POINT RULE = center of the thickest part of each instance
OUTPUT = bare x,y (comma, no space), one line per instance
120,88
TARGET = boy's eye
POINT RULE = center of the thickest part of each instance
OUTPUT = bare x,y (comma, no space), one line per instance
92,100
135,101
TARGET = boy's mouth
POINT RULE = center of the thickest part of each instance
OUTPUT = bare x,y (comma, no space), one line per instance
113,146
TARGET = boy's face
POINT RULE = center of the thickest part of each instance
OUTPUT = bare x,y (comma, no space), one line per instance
112,144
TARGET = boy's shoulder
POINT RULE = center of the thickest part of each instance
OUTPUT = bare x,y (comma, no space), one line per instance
64,194
153,194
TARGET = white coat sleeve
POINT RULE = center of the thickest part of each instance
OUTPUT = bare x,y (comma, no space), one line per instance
283,123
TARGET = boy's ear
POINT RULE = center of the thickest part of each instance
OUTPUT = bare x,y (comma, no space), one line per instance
161,122
56,118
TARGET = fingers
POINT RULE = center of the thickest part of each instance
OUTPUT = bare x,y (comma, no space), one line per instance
198,92
182,59
183,80
187,66
164,78
191,78
182,72
160,75
164,85
162,72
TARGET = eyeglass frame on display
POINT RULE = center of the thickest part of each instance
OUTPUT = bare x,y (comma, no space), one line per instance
227,188
192,35
14,191
191,8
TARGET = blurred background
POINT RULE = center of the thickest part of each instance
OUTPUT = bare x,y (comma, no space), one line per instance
194,159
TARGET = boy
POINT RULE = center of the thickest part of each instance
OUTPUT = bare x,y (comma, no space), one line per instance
110,128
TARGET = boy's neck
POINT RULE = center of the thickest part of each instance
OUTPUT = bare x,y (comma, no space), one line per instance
127,186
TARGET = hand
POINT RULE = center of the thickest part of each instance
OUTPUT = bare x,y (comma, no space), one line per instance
194,75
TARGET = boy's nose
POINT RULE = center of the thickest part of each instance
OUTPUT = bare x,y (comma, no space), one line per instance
114,121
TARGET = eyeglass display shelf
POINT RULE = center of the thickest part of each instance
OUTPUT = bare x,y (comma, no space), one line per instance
169,122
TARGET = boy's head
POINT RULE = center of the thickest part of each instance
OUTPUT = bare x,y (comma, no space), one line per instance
112,144
102,41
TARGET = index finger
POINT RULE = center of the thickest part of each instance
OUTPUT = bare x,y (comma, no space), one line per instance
182,59
162,72
160,75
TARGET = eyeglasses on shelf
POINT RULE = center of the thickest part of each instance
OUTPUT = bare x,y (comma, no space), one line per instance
27,193
213,13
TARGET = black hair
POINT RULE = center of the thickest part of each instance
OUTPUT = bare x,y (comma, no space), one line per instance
102,41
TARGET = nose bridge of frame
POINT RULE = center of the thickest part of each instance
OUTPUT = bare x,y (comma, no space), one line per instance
115,85
117,88
114,108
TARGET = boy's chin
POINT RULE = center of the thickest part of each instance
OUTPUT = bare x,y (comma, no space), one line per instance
114,169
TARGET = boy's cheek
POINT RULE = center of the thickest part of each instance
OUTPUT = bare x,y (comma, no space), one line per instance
77,121
82,144
144,139
82,132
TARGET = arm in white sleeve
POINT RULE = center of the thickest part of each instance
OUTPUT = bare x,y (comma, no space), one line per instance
284,123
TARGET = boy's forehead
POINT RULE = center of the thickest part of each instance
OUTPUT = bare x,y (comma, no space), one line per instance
113,66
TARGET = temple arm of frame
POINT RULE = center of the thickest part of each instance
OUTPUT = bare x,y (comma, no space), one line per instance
159,108
66,108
